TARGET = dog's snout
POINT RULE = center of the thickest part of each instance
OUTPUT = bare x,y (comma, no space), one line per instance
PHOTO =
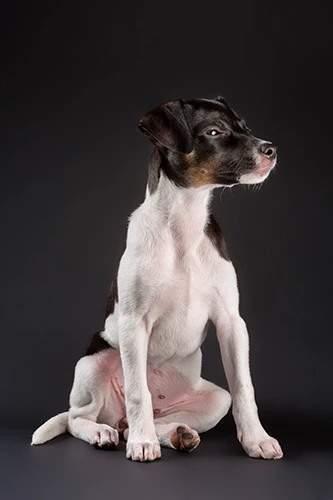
268,149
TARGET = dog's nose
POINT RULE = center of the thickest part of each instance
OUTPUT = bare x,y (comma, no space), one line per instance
268,149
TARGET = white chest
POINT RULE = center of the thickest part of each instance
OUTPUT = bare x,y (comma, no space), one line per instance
170,273
180,312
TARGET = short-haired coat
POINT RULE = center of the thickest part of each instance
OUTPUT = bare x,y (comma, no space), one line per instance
142,374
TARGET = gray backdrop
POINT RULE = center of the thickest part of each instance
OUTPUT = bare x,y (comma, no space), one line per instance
77,77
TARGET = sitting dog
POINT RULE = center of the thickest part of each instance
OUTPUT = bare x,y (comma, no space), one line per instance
141,376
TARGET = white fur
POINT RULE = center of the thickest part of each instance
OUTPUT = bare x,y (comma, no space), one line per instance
50,429
171,282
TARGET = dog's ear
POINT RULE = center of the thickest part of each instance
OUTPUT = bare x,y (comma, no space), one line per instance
221,100
224,102
166,126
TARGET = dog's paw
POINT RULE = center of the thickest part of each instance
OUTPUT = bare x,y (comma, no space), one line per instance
106,437
268,447
145,451
185,439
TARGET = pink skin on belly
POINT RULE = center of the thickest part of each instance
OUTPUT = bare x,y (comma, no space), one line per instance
168,387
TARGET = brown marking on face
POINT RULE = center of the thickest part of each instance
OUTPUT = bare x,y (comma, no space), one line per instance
156,411
161,396
200,173
190,156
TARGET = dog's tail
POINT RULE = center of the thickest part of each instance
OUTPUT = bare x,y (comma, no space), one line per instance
51,428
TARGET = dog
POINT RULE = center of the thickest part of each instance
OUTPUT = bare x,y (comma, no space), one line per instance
141,376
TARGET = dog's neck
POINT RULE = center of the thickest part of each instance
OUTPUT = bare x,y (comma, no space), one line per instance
182,211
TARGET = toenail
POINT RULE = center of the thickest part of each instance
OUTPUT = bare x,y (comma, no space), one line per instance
191,444
187,435
180,430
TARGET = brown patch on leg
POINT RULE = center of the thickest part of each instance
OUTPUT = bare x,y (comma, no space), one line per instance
184,438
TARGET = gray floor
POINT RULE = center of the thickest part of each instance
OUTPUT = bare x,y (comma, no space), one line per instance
67,468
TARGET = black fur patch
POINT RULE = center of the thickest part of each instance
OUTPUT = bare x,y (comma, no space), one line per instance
97,344
112,297
154,170
214,233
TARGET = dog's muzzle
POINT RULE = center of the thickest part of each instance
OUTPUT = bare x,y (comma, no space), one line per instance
267,157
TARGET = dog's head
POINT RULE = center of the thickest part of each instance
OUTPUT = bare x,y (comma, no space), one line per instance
204,142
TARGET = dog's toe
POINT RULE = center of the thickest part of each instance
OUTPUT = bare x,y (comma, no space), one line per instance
106,437
143,452
268,448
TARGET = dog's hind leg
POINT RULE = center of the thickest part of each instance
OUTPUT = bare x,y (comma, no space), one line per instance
87,400
177,435
178,425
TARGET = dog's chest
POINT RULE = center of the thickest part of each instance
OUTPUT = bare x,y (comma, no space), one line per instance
168,275
180,311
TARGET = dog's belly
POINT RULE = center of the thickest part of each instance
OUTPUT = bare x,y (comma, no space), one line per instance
169,387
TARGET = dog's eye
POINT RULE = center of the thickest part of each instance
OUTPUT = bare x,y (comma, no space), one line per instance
213,132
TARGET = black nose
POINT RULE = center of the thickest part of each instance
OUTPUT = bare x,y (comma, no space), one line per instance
268,149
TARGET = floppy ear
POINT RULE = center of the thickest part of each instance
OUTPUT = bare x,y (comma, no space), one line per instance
221,100
166,126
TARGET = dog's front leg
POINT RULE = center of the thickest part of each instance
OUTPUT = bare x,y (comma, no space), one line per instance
142,442
234,343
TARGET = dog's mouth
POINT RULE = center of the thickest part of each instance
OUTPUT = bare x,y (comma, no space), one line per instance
255,170
262,170
265,165
225,177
